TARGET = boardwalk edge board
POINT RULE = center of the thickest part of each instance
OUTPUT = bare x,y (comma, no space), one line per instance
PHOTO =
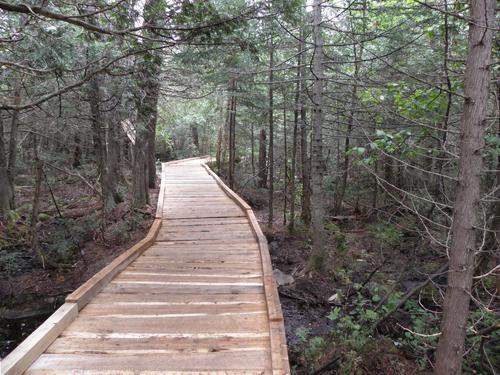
279,351
35,344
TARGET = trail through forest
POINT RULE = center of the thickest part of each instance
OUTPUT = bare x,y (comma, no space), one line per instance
365,134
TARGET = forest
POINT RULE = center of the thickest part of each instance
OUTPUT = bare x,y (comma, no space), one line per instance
365,135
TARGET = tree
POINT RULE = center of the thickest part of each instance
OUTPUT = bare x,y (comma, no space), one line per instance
318,255
463,241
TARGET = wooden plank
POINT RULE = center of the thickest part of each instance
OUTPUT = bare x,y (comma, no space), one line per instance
105,309
244,235
182,273
202,257
252,323
176,299
36,343
164,345
182,288
194,277
211,227
177,266
136,364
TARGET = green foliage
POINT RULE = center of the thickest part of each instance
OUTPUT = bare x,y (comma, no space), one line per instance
12,261
315,348
493,143
303,333
341,243
334,314
386,234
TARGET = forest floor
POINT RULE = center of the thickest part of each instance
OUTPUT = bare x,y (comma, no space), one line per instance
362,268
76,242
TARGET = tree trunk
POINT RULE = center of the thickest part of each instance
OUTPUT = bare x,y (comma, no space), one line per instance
140,193
291,224
113,155
194,135
232,129
147,102
35,243
14,127
5,187
296,112
271,130
99,139
463,237
253,150
305,166
262,159
77,152
151,153
218,152
358,56
318,256
285,167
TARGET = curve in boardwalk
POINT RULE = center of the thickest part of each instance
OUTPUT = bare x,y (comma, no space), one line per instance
196,296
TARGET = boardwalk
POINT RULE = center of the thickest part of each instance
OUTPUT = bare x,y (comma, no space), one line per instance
197,297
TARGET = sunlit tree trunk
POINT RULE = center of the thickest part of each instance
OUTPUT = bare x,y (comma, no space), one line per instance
463,237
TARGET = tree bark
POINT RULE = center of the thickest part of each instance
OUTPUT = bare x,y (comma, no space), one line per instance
151,153
35,243
262,173
99,138
285,167
253,149
5,187
232,130
463,237
14,128
305,166
218,152
147,105
271,129
291,224
196,139
358,57
318,256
